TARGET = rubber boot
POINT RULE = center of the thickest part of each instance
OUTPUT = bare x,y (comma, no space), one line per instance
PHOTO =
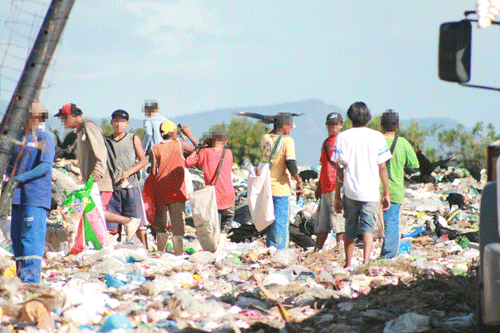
161,241
177,244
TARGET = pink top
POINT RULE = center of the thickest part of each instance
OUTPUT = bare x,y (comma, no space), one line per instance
208,160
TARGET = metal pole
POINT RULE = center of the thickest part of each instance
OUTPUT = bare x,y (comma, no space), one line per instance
31,78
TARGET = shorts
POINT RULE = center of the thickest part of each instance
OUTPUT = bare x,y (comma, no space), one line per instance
359,217
326,218
127,202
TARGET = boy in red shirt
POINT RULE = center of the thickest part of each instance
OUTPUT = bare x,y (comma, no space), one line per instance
326,218
167,166
208,160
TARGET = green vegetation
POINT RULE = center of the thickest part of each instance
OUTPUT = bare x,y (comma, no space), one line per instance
243,138
470,148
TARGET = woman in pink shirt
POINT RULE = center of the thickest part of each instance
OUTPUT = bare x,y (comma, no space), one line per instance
208,160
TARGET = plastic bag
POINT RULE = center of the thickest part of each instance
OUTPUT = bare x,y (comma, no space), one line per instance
84,207
260,196
205,217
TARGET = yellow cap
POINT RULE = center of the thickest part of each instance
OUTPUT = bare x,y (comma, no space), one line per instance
168,127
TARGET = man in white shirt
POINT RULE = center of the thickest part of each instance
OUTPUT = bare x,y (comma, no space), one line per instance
361,154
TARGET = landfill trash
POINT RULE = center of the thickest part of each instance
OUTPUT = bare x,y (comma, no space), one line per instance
408,323
248,287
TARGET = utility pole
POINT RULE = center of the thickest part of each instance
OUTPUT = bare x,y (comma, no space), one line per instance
31,79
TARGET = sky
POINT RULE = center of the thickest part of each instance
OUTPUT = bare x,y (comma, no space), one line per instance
194,56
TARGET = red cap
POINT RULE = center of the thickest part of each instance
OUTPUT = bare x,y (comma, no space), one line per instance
68,109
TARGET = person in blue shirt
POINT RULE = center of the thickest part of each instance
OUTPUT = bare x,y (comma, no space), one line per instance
151,125
32,198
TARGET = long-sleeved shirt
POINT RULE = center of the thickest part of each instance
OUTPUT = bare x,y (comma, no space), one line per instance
152,134
93,155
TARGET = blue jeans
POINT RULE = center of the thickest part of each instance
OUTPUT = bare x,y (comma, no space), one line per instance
28,230
391,231
277,232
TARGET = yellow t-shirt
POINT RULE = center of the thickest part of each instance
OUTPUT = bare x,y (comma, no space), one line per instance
280,177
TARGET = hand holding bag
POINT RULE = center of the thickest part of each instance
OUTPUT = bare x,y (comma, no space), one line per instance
260,196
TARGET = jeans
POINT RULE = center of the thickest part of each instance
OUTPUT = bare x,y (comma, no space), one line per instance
277,232
226,218
391,231
28,230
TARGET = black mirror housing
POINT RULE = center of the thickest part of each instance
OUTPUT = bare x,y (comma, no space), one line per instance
455,51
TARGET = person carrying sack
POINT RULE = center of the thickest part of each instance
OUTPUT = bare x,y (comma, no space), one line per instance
217,165
279,149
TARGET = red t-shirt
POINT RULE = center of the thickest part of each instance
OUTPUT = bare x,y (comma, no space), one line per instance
328,173
208,160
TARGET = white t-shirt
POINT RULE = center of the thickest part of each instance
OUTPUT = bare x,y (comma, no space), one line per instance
359,151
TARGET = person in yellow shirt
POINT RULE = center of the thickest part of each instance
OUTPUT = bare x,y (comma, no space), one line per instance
279,149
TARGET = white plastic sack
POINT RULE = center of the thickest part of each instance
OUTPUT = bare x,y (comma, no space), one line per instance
260,196
206,217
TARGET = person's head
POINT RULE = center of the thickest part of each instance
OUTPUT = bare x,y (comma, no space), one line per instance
219,138
37,115
359,114
70,115
150,107
168,130
283,122
119,121
389,121
334,123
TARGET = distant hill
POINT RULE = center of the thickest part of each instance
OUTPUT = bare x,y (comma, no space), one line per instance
309,132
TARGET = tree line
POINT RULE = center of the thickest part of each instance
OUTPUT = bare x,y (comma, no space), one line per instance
468,146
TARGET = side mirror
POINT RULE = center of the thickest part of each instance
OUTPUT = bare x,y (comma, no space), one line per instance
455,51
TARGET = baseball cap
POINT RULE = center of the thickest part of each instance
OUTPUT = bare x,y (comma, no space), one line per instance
68,109
167,127
120,113
333,118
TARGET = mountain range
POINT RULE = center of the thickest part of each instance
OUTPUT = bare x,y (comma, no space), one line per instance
308,134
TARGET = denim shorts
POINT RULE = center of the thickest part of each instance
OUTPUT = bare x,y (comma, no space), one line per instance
359,217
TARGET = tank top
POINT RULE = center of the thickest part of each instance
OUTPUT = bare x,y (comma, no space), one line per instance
170,186
125,159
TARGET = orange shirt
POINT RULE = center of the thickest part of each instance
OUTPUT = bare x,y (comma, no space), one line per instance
170,186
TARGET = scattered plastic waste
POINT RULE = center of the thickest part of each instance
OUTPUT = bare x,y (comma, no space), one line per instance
248,287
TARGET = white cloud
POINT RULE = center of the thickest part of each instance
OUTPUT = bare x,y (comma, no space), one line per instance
183,16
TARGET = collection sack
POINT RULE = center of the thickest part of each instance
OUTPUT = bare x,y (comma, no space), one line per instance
206,217
260,196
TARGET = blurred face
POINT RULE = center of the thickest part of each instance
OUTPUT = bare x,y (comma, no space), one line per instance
69,121
33,121
150,112
287,128
334,128
119,124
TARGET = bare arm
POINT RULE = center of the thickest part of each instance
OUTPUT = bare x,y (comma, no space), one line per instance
140,155
384,178
187,147
187,132
154,163
300,186
338,204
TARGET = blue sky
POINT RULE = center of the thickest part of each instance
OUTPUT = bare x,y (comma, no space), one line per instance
195,56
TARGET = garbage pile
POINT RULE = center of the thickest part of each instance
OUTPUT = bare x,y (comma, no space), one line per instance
247,287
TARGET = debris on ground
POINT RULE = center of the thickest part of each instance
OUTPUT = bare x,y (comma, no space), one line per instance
247,287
